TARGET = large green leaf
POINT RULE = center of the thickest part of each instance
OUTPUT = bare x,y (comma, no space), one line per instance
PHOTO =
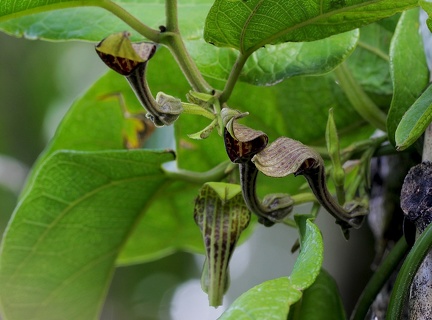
272,64
272,299
59,252
249,25
407,58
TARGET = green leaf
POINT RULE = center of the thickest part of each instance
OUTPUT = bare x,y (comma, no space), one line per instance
407,57
309,261
249,25
11,9
415,121
320,301
59,252
274,297
271,64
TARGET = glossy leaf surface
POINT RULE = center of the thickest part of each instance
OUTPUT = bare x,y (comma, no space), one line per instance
415,121
274,297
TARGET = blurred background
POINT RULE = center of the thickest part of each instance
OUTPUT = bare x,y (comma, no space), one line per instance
38,82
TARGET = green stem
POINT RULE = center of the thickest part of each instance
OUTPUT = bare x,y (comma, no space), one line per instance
301,198
134,23
379,278
374,50
233,77
173,40
215,174
171,14
177,47
407,273
359,99
357,148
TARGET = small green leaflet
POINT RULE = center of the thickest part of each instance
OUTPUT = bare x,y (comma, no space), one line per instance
415,121
274,297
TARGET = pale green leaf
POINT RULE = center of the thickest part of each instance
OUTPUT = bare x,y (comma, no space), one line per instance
415,121
407,57
308,263
272,299
249,25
